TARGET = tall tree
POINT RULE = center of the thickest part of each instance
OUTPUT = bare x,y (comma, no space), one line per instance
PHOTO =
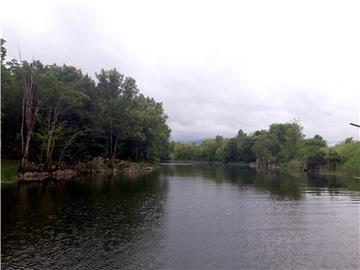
30,108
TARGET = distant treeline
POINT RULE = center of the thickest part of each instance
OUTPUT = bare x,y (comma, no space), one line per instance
283,145
55,115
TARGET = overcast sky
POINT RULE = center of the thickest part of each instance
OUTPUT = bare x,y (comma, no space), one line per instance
217,66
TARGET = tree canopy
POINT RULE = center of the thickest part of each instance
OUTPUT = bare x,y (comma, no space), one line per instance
67,116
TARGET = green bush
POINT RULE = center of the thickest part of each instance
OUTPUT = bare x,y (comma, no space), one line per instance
350,157
295,165
94,165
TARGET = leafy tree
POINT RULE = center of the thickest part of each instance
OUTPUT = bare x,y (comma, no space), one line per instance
55,115
11,105
231,151
333,159
350,157
245,149
263,149
314,159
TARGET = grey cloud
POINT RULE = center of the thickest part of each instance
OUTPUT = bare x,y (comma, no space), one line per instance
211,82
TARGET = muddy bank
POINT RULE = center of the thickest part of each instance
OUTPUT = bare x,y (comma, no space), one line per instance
39,176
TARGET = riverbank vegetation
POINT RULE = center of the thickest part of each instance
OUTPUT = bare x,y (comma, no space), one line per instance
56,117
9,169
281,146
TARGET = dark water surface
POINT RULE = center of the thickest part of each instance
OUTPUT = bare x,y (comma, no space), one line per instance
182,217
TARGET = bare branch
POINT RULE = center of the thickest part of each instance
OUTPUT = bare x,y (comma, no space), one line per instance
71,140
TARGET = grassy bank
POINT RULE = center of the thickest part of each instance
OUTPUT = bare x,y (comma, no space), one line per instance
9,170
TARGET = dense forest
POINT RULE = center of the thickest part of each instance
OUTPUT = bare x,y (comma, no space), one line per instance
282,145
53,115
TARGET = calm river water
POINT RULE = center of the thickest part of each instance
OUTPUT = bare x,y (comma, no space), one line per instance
182,217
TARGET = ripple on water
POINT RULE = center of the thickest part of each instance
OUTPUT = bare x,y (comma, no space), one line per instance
183,217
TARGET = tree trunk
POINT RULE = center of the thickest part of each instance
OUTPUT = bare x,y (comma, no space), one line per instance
110,140
53,121
25,155
22,125
113,151
136,152
28,117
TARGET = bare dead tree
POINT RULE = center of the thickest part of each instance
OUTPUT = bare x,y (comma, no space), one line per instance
29,112
52,124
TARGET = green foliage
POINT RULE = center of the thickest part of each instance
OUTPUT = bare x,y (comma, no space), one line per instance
9,170
212,149
185,151
283,145
231,152
332,158
11,99
295,164
314,159
245,149
349,151
79,119
263,149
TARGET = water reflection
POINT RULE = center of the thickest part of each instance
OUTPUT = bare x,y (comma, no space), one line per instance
183,217
280,185
93,222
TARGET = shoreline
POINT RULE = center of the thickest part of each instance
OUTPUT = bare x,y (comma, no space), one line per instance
136,169
252,165
125,168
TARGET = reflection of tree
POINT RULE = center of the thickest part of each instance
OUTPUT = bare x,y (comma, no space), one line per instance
281,186
86,222
333,182
213,172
